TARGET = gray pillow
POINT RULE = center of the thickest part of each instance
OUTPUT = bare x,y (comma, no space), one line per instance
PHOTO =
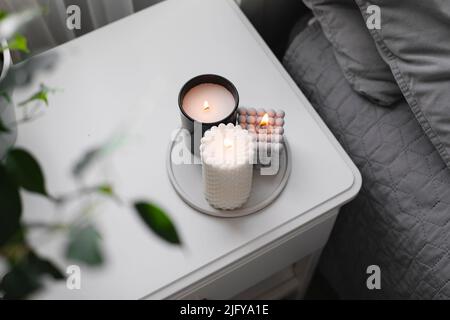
414,39
355,50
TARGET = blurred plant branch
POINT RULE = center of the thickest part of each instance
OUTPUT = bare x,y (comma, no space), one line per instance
20,171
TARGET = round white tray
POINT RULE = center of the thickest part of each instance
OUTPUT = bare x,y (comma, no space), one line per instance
187,182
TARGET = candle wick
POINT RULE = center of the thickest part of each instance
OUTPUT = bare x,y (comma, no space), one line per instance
227,143
206,106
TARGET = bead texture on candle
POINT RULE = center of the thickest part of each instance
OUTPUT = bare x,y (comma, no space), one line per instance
251,119
279,114
251,111
242,111
279,122
227,153
269,138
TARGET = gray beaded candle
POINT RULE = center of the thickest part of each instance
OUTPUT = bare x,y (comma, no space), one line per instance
267,126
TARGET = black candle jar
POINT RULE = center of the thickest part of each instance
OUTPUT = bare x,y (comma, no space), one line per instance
196,128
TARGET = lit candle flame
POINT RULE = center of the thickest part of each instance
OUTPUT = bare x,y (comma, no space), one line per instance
227,143
206,106
264,120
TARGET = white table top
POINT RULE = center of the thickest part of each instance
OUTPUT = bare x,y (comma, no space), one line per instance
128,74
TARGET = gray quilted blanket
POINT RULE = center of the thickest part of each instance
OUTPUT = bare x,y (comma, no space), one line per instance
400,221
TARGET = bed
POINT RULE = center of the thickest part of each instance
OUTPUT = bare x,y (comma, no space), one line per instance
400,219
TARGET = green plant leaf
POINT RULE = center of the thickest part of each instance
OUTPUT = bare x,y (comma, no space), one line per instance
10,207
97,153
5,95
26,171
15,248
41,95
106,190
11,23
18,43
3,127
19,282
86,160
25,276
84,245
44,266
158,221
3,14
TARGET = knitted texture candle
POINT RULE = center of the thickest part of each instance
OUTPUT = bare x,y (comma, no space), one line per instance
227,153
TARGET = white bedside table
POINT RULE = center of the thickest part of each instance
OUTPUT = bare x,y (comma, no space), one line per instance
128,74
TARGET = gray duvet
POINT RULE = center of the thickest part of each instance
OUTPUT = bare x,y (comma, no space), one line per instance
401,219
414,41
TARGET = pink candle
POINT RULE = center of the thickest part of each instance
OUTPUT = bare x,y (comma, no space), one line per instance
208,103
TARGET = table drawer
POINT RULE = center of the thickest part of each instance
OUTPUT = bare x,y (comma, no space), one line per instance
265,262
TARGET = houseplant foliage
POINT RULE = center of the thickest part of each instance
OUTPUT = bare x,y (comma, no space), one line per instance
21,172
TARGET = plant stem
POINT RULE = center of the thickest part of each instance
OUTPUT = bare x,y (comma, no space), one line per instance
25,120
47,226
75,194
84,191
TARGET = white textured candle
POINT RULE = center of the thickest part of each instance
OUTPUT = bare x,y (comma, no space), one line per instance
208,103
227,154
